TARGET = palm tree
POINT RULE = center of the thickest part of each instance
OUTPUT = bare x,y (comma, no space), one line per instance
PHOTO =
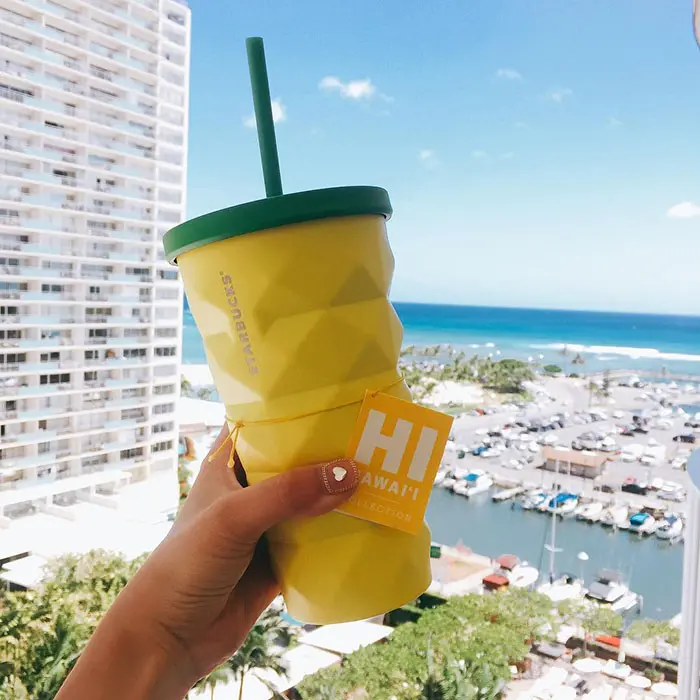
220,674
260,649
654,632
579,360
185,385
58,654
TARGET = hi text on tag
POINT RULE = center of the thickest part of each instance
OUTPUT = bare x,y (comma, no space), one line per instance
397,446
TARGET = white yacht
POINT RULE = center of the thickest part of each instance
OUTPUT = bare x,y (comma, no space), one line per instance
609,589
590,512
671,527
562,503
615,516
534,499
643,523
475,482
564,588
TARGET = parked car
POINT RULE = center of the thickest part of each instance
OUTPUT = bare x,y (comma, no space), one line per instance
690,439
631,485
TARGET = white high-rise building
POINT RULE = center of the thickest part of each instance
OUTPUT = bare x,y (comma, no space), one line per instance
93,159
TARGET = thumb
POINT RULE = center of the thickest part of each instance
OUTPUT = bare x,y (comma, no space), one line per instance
300,492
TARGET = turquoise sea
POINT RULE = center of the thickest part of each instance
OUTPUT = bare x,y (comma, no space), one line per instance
640,342
637,342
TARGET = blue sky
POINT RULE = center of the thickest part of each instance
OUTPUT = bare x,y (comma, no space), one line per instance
533,149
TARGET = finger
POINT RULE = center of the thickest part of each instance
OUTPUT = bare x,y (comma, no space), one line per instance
304,492
213,481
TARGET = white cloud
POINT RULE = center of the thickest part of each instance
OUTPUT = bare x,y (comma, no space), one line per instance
614,122
279,114
559,94
508,74
428,158
480,155
684,210
352,90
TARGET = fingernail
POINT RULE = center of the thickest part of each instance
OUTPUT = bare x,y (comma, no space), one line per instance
339,476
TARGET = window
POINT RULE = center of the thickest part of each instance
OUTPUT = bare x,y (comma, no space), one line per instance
52,288
162,427
164,389
11,405
162,446
131,453
13,358
44,447
50,357
164,408
54,379
90,376
166,352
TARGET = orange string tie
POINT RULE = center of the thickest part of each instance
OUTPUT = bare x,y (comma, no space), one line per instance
238,425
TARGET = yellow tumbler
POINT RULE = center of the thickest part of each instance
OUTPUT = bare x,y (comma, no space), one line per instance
290,295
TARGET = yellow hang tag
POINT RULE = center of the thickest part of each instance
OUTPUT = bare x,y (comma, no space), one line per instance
397,446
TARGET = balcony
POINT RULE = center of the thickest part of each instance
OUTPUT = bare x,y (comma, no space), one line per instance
43,413
36,461
120,424
27,438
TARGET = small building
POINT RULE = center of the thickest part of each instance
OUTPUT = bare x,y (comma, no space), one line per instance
588,465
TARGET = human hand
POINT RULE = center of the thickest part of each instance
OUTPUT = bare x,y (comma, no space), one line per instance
199,593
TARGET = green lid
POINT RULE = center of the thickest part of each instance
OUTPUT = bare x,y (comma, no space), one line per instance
275,211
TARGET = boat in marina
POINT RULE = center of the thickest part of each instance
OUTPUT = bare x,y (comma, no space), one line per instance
615,516
507,494
590,512
610,590
475,482
562,503
534,499
566,587
671,528
643,523
519,574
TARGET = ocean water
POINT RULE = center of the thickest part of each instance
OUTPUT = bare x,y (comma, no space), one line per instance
640,342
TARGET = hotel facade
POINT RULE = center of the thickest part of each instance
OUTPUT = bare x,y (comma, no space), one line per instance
93,161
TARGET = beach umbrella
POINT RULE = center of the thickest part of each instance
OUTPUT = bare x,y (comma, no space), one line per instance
588,665
665,690
637,681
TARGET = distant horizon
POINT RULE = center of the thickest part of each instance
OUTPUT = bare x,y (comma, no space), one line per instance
546,308
508,307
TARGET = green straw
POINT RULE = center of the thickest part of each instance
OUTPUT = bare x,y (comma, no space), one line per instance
263,116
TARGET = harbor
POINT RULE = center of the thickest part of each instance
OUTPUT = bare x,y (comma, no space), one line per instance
493,529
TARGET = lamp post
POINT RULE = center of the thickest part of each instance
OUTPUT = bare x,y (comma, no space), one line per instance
583,558
689,657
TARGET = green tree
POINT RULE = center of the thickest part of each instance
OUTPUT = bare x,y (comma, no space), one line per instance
43,631
591,618
13,689
579,360
655,633
185,385
183,477
261,649
552,369
221,674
